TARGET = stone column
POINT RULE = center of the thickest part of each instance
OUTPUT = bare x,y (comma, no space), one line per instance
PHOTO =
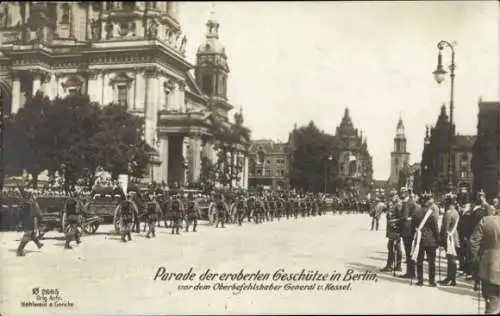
16,94
164,158
196,158
181,85
37,83
245,173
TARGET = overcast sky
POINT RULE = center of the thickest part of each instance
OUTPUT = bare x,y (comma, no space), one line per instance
302,61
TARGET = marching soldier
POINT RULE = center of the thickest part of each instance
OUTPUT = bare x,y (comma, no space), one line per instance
222,211
450,240
192,213
31,216
127,211
425,224
177,212
240,209
152,211
72,212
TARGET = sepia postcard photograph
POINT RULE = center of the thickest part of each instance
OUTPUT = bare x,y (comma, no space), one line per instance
249,158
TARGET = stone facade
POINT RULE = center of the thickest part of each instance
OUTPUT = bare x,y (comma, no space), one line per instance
486,158
130,53
434,165
269,165
354,163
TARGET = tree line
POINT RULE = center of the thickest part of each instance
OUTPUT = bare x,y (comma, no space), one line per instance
73,136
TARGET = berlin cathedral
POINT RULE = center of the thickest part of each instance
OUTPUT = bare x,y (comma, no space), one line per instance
131,53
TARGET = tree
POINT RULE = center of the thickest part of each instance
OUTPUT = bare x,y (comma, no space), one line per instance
310,166
231,137
73,136
25,139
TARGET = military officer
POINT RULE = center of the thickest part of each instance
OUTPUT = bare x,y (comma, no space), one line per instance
485,252
240,209
426,227
449,239
407,207
31,216
394,255
192,212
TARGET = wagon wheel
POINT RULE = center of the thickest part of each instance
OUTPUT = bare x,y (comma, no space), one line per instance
117,220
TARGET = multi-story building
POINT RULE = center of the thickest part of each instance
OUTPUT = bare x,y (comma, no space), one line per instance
352,159
400,158
486,158
269,165
435,157
131,53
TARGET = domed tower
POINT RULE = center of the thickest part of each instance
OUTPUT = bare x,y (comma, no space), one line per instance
211,69
400,158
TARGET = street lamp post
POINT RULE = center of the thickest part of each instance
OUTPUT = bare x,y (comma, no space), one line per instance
439,76
326,172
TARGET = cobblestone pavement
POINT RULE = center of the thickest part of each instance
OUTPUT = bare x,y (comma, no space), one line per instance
105,276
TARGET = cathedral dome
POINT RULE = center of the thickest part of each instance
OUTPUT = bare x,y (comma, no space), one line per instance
212,44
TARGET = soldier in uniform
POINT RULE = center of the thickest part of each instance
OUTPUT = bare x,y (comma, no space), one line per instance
240,209
393,238
485,252
177,211
192,213
464,232
407,207
481,209
127,211
449,239
31,216
222,211
152,211
376,212
72,212
426,226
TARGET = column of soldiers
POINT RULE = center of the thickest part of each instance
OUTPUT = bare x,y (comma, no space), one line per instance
258,207
466,235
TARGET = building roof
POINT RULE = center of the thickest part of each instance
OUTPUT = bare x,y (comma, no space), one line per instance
464,142
268,146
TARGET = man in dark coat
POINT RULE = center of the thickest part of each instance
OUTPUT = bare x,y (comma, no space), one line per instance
426,224
479,210
408,207
393,239
31,216
485,250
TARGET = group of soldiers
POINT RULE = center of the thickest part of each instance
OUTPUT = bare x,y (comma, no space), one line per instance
421,227
177,208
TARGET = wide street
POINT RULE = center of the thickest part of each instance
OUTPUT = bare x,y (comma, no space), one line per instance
105,276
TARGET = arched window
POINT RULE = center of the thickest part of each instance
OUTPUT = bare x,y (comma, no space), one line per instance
207,84
65,13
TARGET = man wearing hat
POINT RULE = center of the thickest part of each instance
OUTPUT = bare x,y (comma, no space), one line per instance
192,212
485,252
394,254
449,239
31,216
426,239
407,208
479,210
